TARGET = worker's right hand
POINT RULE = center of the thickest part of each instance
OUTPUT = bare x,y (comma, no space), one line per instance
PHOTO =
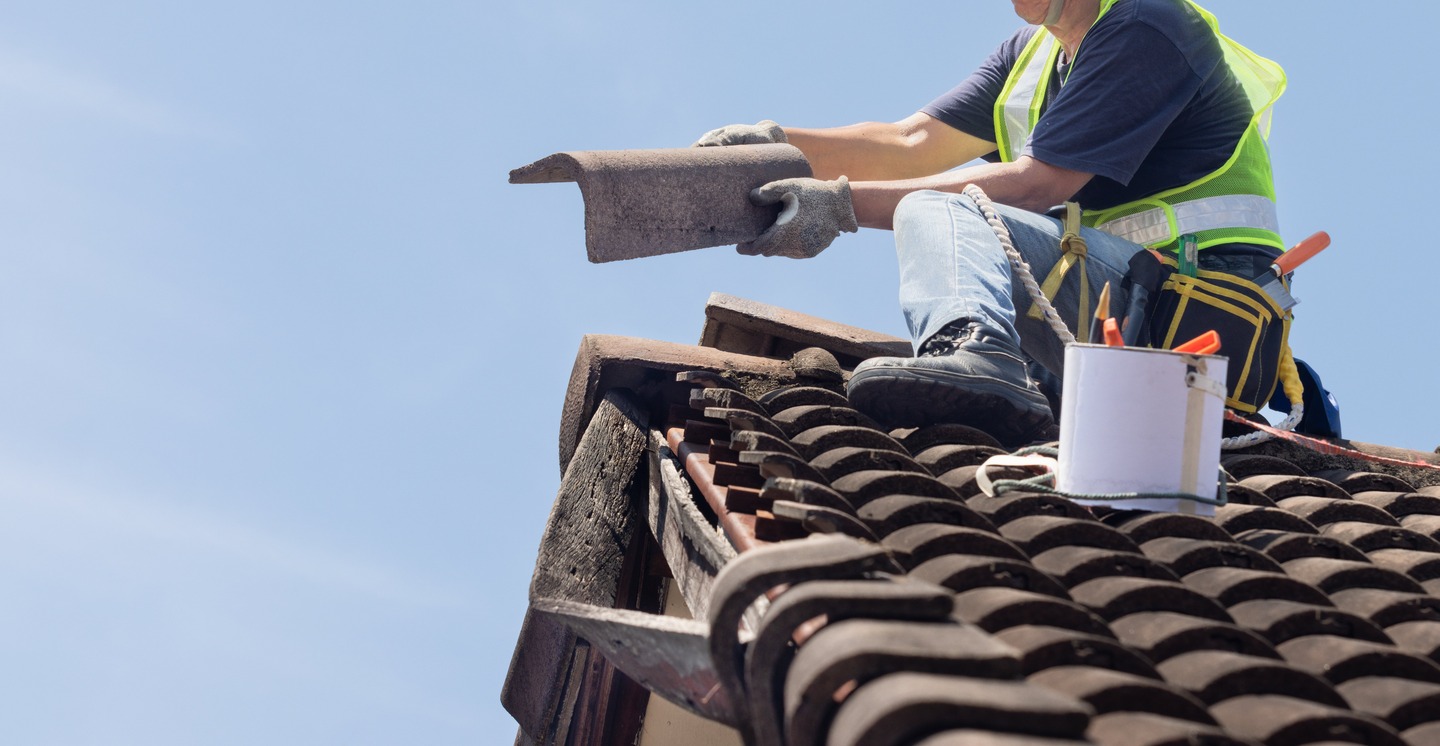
760,133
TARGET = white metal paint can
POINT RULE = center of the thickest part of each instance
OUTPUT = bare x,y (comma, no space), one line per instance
1136,420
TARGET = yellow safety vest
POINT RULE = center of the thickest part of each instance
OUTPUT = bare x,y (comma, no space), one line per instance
1236,203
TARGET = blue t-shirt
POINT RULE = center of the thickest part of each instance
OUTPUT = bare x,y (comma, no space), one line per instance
1148,104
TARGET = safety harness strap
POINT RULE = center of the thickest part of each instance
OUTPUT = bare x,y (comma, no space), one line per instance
1074,253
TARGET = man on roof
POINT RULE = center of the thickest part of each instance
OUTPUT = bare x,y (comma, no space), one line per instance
1140,111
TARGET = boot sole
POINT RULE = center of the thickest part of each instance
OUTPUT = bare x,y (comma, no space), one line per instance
901,397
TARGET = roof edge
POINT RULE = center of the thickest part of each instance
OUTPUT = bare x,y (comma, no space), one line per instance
605,362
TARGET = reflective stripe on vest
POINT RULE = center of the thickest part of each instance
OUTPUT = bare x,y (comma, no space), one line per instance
1021,100
1208,214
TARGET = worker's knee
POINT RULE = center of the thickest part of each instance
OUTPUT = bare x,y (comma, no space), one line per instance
928,208
915,202
927,203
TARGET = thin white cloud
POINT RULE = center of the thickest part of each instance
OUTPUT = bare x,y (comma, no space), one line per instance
191,530
28,80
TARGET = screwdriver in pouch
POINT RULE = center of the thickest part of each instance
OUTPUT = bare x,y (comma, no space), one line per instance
1270,280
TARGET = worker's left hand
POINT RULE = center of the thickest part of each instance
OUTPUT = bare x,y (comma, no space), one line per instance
815,212
766,131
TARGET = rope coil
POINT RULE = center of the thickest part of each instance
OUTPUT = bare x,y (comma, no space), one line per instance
1045,484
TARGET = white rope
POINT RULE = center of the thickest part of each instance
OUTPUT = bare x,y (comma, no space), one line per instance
1291,421
1022,268
1052,317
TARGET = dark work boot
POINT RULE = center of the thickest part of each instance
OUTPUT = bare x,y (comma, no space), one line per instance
964,374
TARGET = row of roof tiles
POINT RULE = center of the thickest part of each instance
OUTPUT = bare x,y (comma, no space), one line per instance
1304,611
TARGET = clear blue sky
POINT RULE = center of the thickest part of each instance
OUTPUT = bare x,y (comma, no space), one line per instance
283,355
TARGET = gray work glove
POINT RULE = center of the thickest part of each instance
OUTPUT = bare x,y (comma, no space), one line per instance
762,133
814,213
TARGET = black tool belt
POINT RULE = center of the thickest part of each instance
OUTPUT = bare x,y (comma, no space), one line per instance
1172,308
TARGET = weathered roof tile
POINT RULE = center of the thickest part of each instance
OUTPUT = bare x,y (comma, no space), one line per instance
1108,691
915,544
1115,597
1048,647
1340,659
1148,729
1215,676
1073,565
1162,635
1184,556
888,514
1040,533
1287,720
1280,620
1401,703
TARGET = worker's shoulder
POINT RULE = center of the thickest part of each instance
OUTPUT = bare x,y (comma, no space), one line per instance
1153,25
1177,19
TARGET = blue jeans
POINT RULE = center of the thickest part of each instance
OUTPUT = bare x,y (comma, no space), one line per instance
952,267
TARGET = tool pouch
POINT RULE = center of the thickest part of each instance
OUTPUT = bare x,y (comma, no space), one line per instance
1253,329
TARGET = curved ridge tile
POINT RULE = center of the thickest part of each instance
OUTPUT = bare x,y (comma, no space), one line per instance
1151,526
917,543
1281,721
1037,534
1043,648
962,573
1321,511
1231,585
1147,729
1073,565
1402,703
920,439
1242,466
1367,537
1237,519
1115,691
838,462
1116,597
995,609
1278,621
892,513
1340,659
863,486
1331,575
1184,556
1278,487
1364,481
939,459
1016,505
1161,635
1283,546
1214,676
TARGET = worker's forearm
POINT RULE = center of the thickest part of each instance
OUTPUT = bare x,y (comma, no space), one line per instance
866,151
875,201
916,146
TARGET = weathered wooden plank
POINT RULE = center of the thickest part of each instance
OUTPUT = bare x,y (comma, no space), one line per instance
609,708
582,558
669,656
693,549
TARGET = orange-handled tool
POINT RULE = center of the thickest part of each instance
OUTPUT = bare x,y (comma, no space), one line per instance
1205,344
1270,280
1301,253
1112,333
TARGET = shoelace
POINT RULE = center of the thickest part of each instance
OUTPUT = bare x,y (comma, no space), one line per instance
947,340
